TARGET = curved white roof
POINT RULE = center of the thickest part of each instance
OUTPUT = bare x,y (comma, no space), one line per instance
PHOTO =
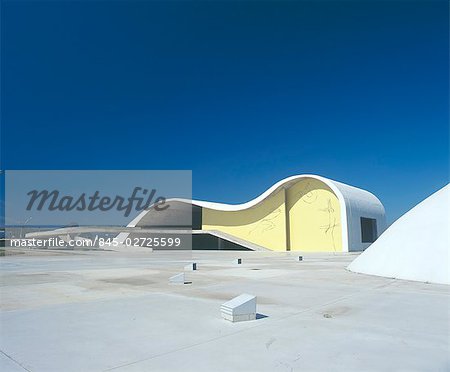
340,189
415,247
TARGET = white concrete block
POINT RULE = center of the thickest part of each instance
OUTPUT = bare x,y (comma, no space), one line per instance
177,279
299,258
240,308
191,267
237,261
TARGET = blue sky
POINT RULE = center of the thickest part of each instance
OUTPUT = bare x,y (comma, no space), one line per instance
242,93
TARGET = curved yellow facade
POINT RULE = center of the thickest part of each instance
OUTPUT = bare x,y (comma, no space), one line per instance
264,224
314,217
304,216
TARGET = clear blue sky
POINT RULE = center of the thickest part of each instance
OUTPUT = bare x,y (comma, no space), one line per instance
242,93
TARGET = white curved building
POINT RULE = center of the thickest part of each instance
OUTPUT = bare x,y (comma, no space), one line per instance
302,213
416,246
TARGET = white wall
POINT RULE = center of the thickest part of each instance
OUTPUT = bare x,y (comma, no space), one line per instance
360,203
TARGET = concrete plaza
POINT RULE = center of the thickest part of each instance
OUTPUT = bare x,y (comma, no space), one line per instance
108,310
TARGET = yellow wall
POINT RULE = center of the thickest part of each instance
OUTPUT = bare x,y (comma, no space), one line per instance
313,222
314,217
264,224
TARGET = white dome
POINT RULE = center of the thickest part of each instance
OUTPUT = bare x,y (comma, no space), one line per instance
415,247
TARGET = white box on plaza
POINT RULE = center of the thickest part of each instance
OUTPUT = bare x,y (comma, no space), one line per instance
240,308
177,279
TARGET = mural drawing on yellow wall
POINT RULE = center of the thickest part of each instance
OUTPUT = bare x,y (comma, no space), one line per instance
332,224
267,223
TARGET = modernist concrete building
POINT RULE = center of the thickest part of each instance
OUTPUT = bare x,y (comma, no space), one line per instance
303,213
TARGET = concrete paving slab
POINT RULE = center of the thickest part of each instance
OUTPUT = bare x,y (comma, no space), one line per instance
116,311
9,364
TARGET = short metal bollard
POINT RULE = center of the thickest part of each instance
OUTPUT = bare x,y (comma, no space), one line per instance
191,267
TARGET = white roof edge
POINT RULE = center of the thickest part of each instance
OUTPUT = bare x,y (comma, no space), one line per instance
249,204
340,189
355,193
